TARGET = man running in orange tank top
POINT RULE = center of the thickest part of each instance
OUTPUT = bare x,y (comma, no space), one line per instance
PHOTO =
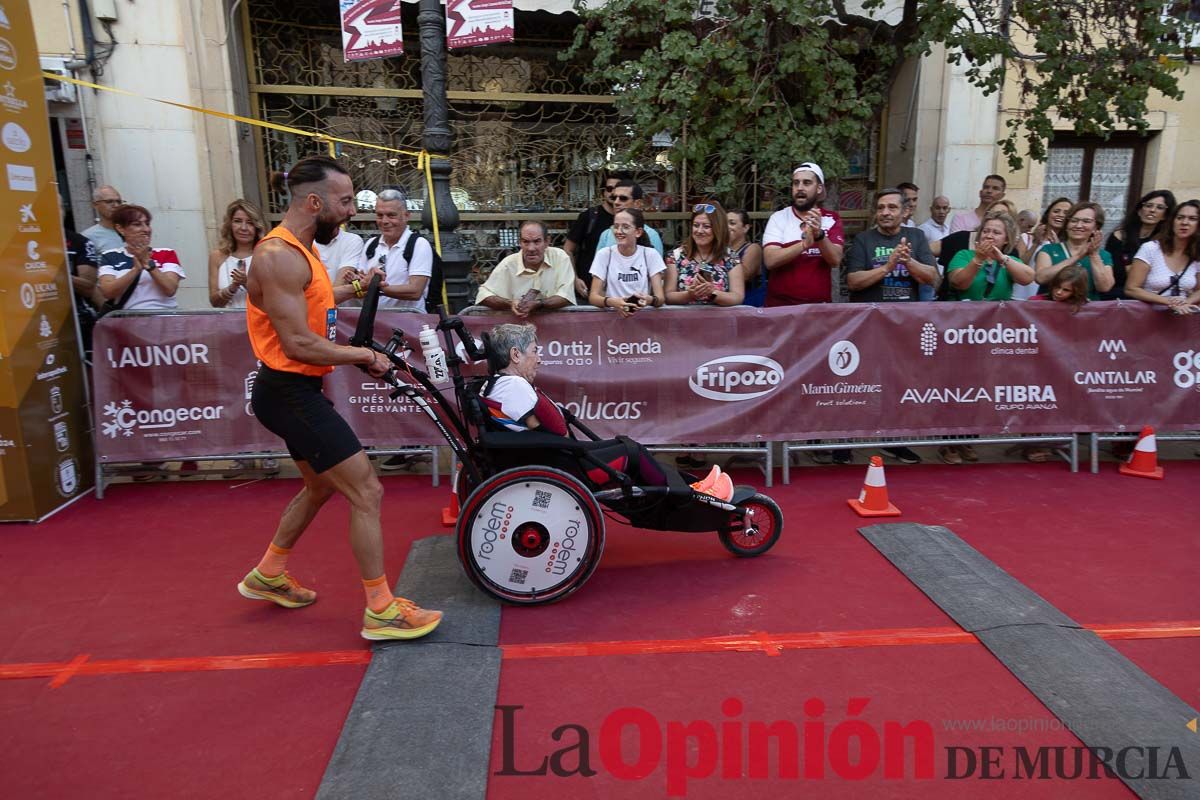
290,315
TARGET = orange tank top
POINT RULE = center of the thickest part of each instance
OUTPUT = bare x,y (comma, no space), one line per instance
322,314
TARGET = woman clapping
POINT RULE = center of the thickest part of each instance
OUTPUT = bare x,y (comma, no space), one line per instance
1082,247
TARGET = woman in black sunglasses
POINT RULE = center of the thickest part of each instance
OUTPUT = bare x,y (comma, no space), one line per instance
227,265
1164,270
702,270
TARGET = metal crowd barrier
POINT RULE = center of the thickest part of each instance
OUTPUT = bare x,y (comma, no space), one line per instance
1097,438
1069,439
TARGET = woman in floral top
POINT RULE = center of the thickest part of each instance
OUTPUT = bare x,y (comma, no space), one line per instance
703,270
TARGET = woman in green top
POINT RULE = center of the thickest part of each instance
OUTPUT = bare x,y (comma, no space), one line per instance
989,271
1083,246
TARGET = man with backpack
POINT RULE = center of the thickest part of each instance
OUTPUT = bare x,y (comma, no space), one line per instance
411,270
403,257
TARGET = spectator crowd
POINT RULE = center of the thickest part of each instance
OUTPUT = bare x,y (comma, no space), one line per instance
613,259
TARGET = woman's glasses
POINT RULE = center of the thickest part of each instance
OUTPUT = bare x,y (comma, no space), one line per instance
707,208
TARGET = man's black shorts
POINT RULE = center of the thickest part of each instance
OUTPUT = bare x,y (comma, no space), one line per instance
292,407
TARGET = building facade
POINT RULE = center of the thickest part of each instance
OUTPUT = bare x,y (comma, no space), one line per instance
532,135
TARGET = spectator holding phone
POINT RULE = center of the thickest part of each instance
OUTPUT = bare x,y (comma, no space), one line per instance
1084,245
703,271
229,264
627,276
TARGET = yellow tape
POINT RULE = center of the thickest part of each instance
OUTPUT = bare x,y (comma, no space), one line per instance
235,117
424,157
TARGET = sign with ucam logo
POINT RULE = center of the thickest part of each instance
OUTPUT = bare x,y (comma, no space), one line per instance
1006,340
736,378
124,419
1005,398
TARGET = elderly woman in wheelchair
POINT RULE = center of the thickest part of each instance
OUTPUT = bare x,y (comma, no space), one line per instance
514,404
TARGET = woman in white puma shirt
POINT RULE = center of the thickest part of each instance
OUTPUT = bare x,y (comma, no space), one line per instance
627,276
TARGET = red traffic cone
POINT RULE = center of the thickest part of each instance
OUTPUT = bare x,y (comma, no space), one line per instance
873,500
450,513
1143,461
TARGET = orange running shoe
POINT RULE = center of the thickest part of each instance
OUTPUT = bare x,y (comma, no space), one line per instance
403,619
282,590
715,484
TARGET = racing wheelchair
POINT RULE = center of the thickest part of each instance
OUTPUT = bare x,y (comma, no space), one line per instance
532,504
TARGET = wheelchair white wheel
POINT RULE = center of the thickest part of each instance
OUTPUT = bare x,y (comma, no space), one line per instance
754,528
530,535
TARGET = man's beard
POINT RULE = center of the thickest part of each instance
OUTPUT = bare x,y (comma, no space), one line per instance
327,230
803,205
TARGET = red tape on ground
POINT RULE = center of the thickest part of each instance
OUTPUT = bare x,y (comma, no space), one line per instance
771,644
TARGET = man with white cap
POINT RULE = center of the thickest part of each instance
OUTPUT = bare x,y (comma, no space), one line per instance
802,243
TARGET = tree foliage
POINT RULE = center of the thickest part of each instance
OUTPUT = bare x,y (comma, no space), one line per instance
770,82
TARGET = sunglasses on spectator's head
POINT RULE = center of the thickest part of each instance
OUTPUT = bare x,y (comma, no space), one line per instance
707,208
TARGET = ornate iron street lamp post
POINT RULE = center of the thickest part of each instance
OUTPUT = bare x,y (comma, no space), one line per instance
437,138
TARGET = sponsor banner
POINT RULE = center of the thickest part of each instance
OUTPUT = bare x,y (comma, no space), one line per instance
45,449
470,23
179,385
371,29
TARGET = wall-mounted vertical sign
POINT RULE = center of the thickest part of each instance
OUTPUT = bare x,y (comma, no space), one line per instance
45,444
470,23
371,29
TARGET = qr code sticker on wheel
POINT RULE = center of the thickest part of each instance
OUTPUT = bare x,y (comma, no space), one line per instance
518,576
541,499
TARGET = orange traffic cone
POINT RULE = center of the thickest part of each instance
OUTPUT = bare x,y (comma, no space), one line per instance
873,500
1143,461
450,513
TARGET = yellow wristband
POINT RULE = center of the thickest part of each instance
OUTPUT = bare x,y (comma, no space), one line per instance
358,290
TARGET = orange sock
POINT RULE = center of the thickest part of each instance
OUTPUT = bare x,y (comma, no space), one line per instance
379,594
274,561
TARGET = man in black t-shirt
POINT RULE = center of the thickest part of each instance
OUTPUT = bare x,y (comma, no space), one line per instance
886,263
585,232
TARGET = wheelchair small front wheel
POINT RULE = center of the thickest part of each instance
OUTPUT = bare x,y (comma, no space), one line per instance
753,528
530,535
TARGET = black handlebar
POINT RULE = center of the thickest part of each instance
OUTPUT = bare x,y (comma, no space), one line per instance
449,322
